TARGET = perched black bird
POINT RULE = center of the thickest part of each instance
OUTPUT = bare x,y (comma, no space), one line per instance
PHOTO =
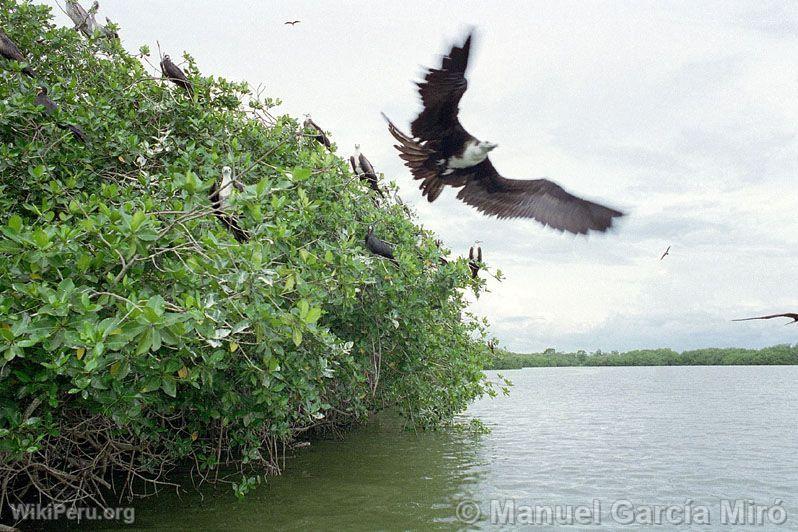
219,196
50,108
492,345
319,135
791,315
667,252
474,261
293,22
379,247
363,169
441,152
174,74
9,50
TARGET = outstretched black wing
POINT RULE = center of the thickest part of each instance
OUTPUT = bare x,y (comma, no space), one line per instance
790,315
441,91
540,199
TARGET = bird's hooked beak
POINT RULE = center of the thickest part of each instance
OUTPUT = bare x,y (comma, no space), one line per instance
489,146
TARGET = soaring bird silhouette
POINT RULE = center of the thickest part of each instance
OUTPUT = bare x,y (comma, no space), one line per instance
791,315
363,169
667,252
9,50
220,196
474,261
319,134
174,74
441,152
51,108
379,247
293,22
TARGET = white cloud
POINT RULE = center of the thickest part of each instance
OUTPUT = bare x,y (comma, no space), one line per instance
684,113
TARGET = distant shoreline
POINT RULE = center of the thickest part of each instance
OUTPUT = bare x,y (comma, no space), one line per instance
779,355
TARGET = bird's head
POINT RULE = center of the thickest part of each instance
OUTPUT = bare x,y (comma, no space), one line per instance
487,146
41,90
227,174
357,147
371,230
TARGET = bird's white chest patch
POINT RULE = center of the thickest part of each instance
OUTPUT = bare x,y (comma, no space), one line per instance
472,156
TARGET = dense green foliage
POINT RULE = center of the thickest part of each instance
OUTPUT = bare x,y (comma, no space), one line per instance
136,333
776,355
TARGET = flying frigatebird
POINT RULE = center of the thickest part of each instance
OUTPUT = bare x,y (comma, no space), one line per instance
319,134
51,108
11,51
293,22
379,247
220,196
441,152
363,169
793,316
667,252
174,74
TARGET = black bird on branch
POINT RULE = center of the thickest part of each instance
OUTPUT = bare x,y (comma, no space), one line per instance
319,135
219,196
791,315
379,247
363,169
441,152
174,74
474,261
50,108
11,51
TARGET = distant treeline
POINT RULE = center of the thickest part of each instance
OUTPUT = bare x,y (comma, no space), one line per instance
776,355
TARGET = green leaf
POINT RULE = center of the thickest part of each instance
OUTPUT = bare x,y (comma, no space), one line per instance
169,387
15,223
297,337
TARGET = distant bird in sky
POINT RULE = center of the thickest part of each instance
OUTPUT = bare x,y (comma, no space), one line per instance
220,198
379,247
667,252
474,260
791,315
51,108
293,22
174,74
363,169
9,50
441,152
319,135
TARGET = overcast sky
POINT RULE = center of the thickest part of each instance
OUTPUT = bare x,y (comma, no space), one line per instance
684,114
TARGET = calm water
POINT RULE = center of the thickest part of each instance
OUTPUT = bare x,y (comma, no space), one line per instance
653,436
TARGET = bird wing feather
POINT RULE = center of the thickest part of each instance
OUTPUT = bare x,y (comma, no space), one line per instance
441,91
783,315
540,199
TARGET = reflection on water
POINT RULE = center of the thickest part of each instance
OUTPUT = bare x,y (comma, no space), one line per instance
563,436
